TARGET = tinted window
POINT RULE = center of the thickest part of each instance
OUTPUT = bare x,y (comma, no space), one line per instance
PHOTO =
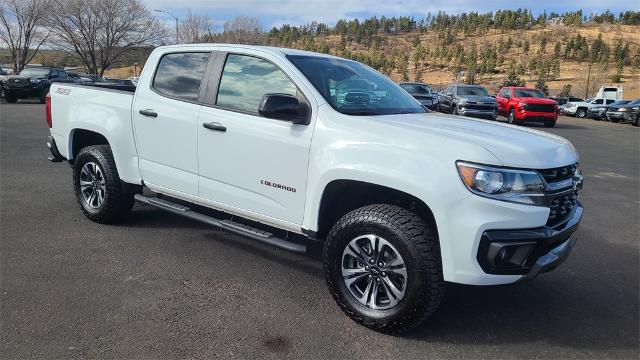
35,72
416,89
610,101
472,91
179,75
246,79
531,93
598,101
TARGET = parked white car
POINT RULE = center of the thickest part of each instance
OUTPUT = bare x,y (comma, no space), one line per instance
401,200
580,109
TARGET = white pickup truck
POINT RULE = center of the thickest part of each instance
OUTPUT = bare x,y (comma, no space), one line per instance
290,148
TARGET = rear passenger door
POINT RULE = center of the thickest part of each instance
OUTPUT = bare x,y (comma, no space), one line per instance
252,165
165,119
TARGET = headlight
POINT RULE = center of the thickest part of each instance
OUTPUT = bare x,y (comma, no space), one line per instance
34,81
623,109
462,102
518,186
523,105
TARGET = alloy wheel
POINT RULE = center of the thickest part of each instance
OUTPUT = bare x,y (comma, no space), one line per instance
374,272
92,185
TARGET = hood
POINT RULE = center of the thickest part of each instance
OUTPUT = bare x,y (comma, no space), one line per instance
534,100
617,106
514,146
477,98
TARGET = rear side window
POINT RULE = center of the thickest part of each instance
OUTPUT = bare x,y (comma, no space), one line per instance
179,75
246,79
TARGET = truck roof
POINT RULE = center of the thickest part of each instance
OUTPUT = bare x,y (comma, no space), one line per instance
269,49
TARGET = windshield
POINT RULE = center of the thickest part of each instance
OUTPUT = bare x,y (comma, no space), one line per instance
634,102
472,91
34,72
353,88
621,102
531,93
416,89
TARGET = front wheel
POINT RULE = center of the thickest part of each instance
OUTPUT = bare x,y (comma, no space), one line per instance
382,265
511,118
581,113
11,99
454,109
549,124
97,185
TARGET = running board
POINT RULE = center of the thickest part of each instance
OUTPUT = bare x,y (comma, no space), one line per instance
231,226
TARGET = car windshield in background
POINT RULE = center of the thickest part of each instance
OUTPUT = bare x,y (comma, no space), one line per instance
416,89
31,72
353,88
634,103
472,91
530,93
621,102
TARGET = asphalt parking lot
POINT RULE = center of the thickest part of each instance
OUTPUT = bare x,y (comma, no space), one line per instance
160,286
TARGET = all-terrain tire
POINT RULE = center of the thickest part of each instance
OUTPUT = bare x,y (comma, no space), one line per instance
117,200
418,245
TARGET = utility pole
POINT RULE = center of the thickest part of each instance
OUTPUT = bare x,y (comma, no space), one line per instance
174,17
586,89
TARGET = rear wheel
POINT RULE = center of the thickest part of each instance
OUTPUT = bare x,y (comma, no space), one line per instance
382,265
97,185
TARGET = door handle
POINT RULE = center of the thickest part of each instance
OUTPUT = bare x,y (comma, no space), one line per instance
215,126
148,112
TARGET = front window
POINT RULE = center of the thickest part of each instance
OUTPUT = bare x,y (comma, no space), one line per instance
35,72
416,89
529,93
246,80
353,88
472,91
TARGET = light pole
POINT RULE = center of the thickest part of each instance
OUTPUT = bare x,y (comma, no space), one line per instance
173,16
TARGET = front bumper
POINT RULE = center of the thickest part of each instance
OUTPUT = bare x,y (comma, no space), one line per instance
568,111
597,114
489,113
535,116
616,115
528,252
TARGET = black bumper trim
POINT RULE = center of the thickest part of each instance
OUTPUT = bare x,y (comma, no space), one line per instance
547,245
53,148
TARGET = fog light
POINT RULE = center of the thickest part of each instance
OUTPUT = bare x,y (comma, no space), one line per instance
509,254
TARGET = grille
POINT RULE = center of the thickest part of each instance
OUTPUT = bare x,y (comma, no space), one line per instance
476,106
561,206
540,107
558,174
17,82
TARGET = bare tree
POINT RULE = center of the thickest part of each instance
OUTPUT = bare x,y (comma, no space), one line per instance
21,29
194,28
242,30
99,32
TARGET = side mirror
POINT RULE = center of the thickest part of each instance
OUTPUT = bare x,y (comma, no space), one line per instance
284,107
449,93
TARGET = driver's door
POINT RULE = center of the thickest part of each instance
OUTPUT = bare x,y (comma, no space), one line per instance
249,164
503,101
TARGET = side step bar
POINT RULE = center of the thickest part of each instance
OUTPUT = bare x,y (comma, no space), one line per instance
231,226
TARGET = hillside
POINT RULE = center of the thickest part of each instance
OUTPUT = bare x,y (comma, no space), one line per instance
441,64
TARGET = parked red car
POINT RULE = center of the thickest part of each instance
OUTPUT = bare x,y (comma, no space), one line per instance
522,104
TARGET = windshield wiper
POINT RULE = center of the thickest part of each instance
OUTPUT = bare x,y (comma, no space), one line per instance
360,112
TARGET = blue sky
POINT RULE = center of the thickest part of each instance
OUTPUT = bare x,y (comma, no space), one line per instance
298,12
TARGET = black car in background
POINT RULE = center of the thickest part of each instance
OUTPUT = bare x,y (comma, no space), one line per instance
32,82
468,100
598,111
422,93
625,110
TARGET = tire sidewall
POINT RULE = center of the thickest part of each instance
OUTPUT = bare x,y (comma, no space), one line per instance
511,117
415,280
